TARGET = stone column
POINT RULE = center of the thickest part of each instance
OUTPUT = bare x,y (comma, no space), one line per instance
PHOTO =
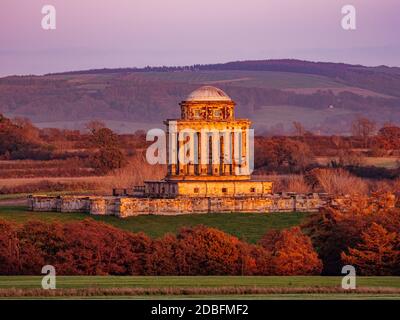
215,156
172,149
226,149
181,166
198,159
244,150
221,154
233,165
203,154
245,154
192,153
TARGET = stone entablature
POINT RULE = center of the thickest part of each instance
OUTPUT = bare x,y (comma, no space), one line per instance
207,110
132,206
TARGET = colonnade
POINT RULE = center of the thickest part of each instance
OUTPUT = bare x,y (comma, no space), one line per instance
207,153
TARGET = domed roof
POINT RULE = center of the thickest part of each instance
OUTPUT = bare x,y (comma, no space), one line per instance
208,93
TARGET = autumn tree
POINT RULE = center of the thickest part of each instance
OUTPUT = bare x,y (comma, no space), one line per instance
19,139
108,159
291,253
75,248
93,248
135,254
282,153
9,249
338,227
255,260
378,253
28,130
18,252
388,138
11,138
94,125
40,242
162,259
109,155
207,251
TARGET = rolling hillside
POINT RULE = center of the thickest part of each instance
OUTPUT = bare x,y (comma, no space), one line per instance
273,93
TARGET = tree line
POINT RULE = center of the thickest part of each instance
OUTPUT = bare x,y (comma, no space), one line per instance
364,233
103,150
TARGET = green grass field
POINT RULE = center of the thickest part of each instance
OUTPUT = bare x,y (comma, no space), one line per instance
260,79
146,284
14,196
247,226
24,282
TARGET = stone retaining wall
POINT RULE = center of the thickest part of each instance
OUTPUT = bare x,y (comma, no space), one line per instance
133,206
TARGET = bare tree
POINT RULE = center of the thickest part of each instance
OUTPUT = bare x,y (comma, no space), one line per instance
94,125
299,129
337,141
363,128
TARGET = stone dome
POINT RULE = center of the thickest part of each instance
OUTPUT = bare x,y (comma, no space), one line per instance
208,93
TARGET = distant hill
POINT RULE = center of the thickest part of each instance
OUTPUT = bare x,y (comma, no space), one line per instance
273,93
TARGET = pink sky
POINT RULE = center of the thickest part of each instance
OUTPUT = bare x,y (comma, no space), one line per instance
128,33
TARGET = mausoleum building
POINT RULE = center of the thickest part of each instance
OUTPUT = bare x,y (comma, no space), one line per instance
209,156
209,151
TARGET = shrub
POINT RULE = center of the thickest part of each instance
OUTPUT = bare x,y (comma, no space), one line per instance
291,253
256,260
9,244
340,182
162,261
42,242
296,183
93,248
207,251
109,155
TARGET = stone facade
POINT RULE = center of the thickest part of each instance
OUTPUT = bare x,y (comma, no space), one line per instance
132,206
